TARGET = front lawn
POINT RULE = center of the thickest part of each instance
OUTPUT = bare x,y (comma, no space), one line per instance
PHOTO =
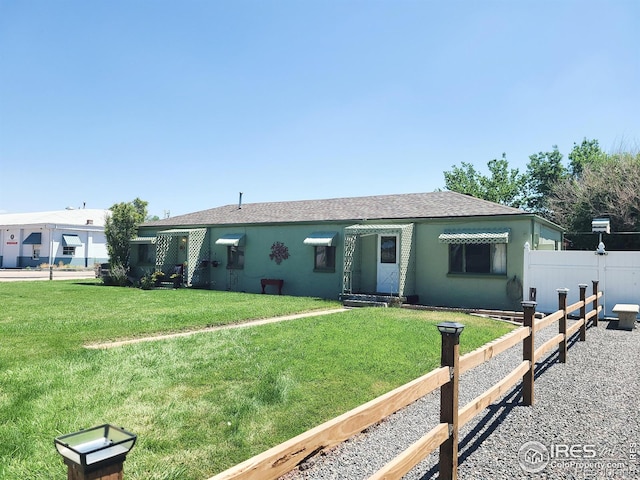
203,403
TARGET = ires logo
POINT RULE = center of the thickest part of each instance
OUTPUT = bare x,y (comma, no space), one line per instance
562,451
533,456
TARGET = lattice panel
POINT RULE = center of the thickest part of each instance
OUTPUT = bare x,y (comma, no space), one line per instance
166,249
407,267
196,254
350,242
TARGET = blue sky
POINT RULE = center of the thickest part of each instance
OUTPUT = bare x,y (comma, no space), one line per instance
186,103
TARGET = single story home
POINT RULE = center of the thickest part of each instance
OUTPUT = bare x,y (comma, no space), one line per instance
71,236
439,248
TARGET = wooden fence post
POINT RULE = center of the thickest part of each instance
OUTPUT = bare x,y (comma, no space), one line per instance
562,324
450,356
528,349
583,311
595,302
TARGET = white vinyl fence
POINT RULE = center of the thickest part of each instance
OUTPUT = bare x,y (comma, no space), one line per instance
618,274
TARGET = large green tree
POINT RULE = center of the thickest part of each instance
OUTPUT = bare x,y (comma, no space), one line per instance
503,184
532,189
120,227
607,187
544,170
586,153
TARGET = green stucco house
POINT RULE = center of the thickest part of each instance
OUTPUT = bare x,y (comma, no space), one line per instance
439,248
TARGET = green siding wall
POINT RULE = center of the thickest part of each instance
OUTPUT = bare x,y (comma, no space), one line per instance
297,271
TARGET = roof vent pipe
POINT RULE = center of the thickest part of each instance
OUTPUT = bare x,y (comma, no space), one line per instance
240,201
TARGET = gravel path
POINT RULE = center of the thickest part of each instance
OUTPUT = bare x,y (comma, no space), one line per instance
587,410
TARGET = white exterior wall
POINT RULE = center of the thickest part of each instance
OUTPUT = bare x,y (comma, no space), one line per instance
15,253
618,274
87,224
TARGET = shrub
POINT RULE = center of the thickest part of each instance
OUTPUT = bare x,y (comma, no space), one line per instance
147,282
117,276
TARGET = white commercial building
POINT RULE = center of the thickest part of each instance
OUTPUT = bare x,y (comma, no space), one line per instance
70,237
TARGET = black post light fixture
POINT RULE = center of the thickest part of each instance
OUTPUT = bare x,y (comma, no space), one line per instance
450,357
450,328
95,453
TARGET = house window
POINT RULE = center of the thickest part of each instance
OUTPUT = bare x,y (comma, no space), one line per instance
235,257
69,251
324,250
478,258
36,252
324,259
145,254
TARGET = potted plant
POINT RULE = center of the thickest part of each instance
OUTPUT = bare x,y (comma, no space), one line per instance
157,277
177,280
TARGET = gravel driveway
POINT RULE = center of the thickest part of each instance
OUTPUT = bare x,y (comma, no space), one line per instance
585,419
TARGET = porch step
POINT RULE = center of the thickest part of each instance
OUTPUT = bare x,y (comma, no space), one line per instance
364,303
371,300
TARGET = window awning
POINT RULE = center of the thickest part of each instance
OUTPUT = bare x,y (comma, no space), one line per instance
33,239
232,240
71,241
475,236
322,239
175,231
149,240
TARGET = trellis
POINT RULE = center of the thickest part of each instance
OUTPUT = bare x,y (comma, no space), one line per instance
167,245
352,257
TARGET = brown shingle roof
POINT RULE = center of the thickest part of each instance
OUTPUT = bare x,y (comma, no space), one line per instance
380,207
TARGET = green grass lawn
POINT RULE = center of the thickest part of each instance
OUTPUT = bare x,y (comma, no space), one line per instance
202,403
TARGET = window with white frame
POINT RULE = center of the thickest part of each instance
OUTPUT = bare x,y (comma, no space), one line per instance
71,251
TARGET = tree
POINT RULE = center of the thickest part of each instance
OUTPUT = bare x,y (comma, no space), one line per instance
544,170
120,227
606,188
595,184
587,153
504,185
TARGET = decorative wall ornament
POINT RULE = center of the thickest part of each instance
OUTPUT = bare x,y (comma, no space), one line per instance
279,252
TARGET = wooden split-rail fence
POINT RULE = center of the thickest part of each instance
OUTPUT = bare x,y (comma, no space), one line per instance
283,458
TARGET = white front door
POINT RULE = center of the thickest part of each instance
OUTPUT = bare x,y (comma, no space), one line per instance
388,278
11,248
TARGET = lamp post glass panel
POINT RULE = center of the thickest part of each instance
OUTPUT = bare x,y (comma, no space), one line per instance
95,447
451,328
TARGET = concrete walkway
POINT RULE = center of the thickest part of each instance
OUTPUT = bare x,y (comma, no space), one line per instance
251,323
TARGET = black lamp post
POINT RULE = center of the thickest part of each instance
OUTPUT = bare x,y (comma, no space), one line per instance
95,453
450,356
